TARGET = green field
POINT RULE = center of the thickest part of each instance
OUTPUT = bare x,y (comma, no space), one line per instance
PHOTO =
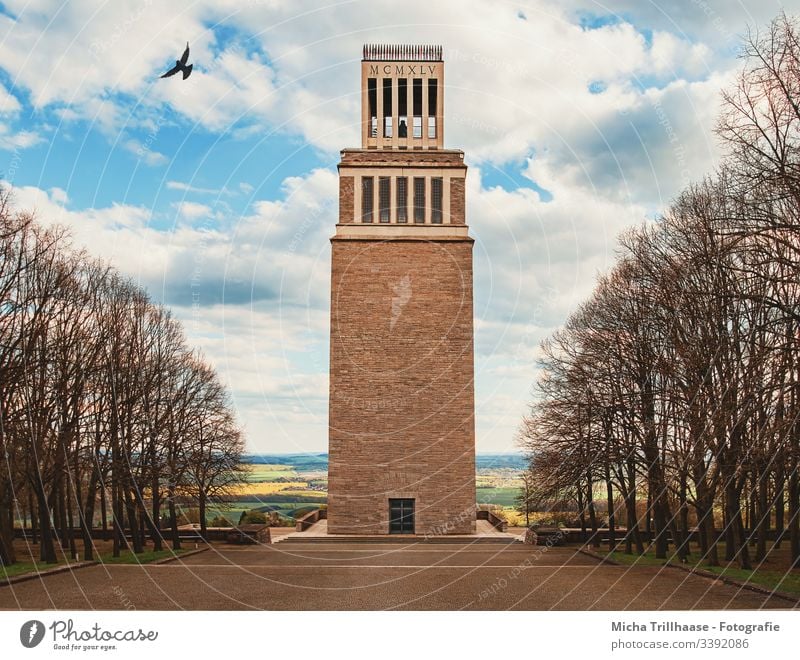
272,472
285,509
502,496
305,476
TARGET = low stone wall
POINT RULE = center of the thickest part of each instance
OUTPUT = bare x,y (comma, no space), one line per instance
494,520
310,518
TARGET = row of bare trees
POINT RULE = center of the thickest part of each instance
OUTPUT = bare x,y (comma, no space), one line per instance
106,416
673,393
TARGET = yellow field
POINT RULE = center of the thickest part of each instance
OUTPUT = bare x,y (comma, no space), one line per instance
269,467
303,491
268,488
513,518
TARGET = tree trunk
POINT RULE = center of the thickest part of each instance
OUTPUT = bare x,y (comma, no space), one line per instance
733,504
683,532
780,504
752,512
710,533
130,509
143,517
727,525
633,517
116,518
660,522
73,549
794,515
47,550
595,541
103,510
72,495
202,508
87,517
7,554
61,510
173,520
762,512
612,537
582,515
34,518
158,539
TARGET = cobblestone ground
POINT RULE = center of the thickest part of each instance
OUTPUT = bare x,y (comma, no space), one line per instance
375,576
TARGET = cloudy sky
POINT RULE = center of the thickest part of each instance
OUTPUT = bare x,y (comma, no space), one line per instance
218,194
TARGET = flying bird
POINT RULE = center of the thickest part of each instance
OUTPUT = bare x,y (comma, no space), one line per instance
180,65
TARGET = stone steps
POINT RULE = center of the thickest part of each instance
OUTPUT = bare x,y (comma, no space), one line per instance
410,540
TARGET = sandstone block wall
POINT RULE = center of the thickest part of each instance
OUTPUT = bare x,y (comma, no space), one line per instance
401,389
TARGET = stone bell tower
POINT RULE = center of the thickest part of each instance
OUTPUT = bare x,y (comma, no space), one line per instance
401,408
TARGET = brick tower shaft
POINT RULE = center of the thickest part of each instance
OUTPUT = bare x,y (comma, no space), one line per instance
401,408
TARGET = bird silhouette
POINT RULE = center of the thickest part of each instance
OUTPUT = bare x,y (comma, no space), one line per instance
180,65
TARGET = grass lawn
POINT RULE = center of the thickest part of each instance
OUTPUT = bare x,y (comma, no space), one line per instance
772,576
779,580
647,559
22,567
128,557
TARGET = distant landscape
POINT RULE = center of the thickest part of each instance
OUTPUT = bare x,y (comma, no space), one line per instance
290,485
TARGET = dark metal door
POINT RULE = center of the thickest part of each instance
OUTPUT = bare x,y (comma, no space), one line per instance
401,516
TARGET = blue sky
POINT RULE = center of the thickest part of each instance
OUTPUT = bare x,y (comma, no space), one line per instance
218,194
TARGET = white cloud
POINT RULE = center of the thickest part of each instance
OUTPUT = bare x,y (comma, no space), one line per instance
58,195
271,269
8,102
146,154
192,210
21,140
521,81
521,95
189,188
9,111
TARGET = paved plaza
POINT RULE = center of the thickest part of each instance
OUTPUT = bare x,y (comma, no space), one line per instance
338,574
